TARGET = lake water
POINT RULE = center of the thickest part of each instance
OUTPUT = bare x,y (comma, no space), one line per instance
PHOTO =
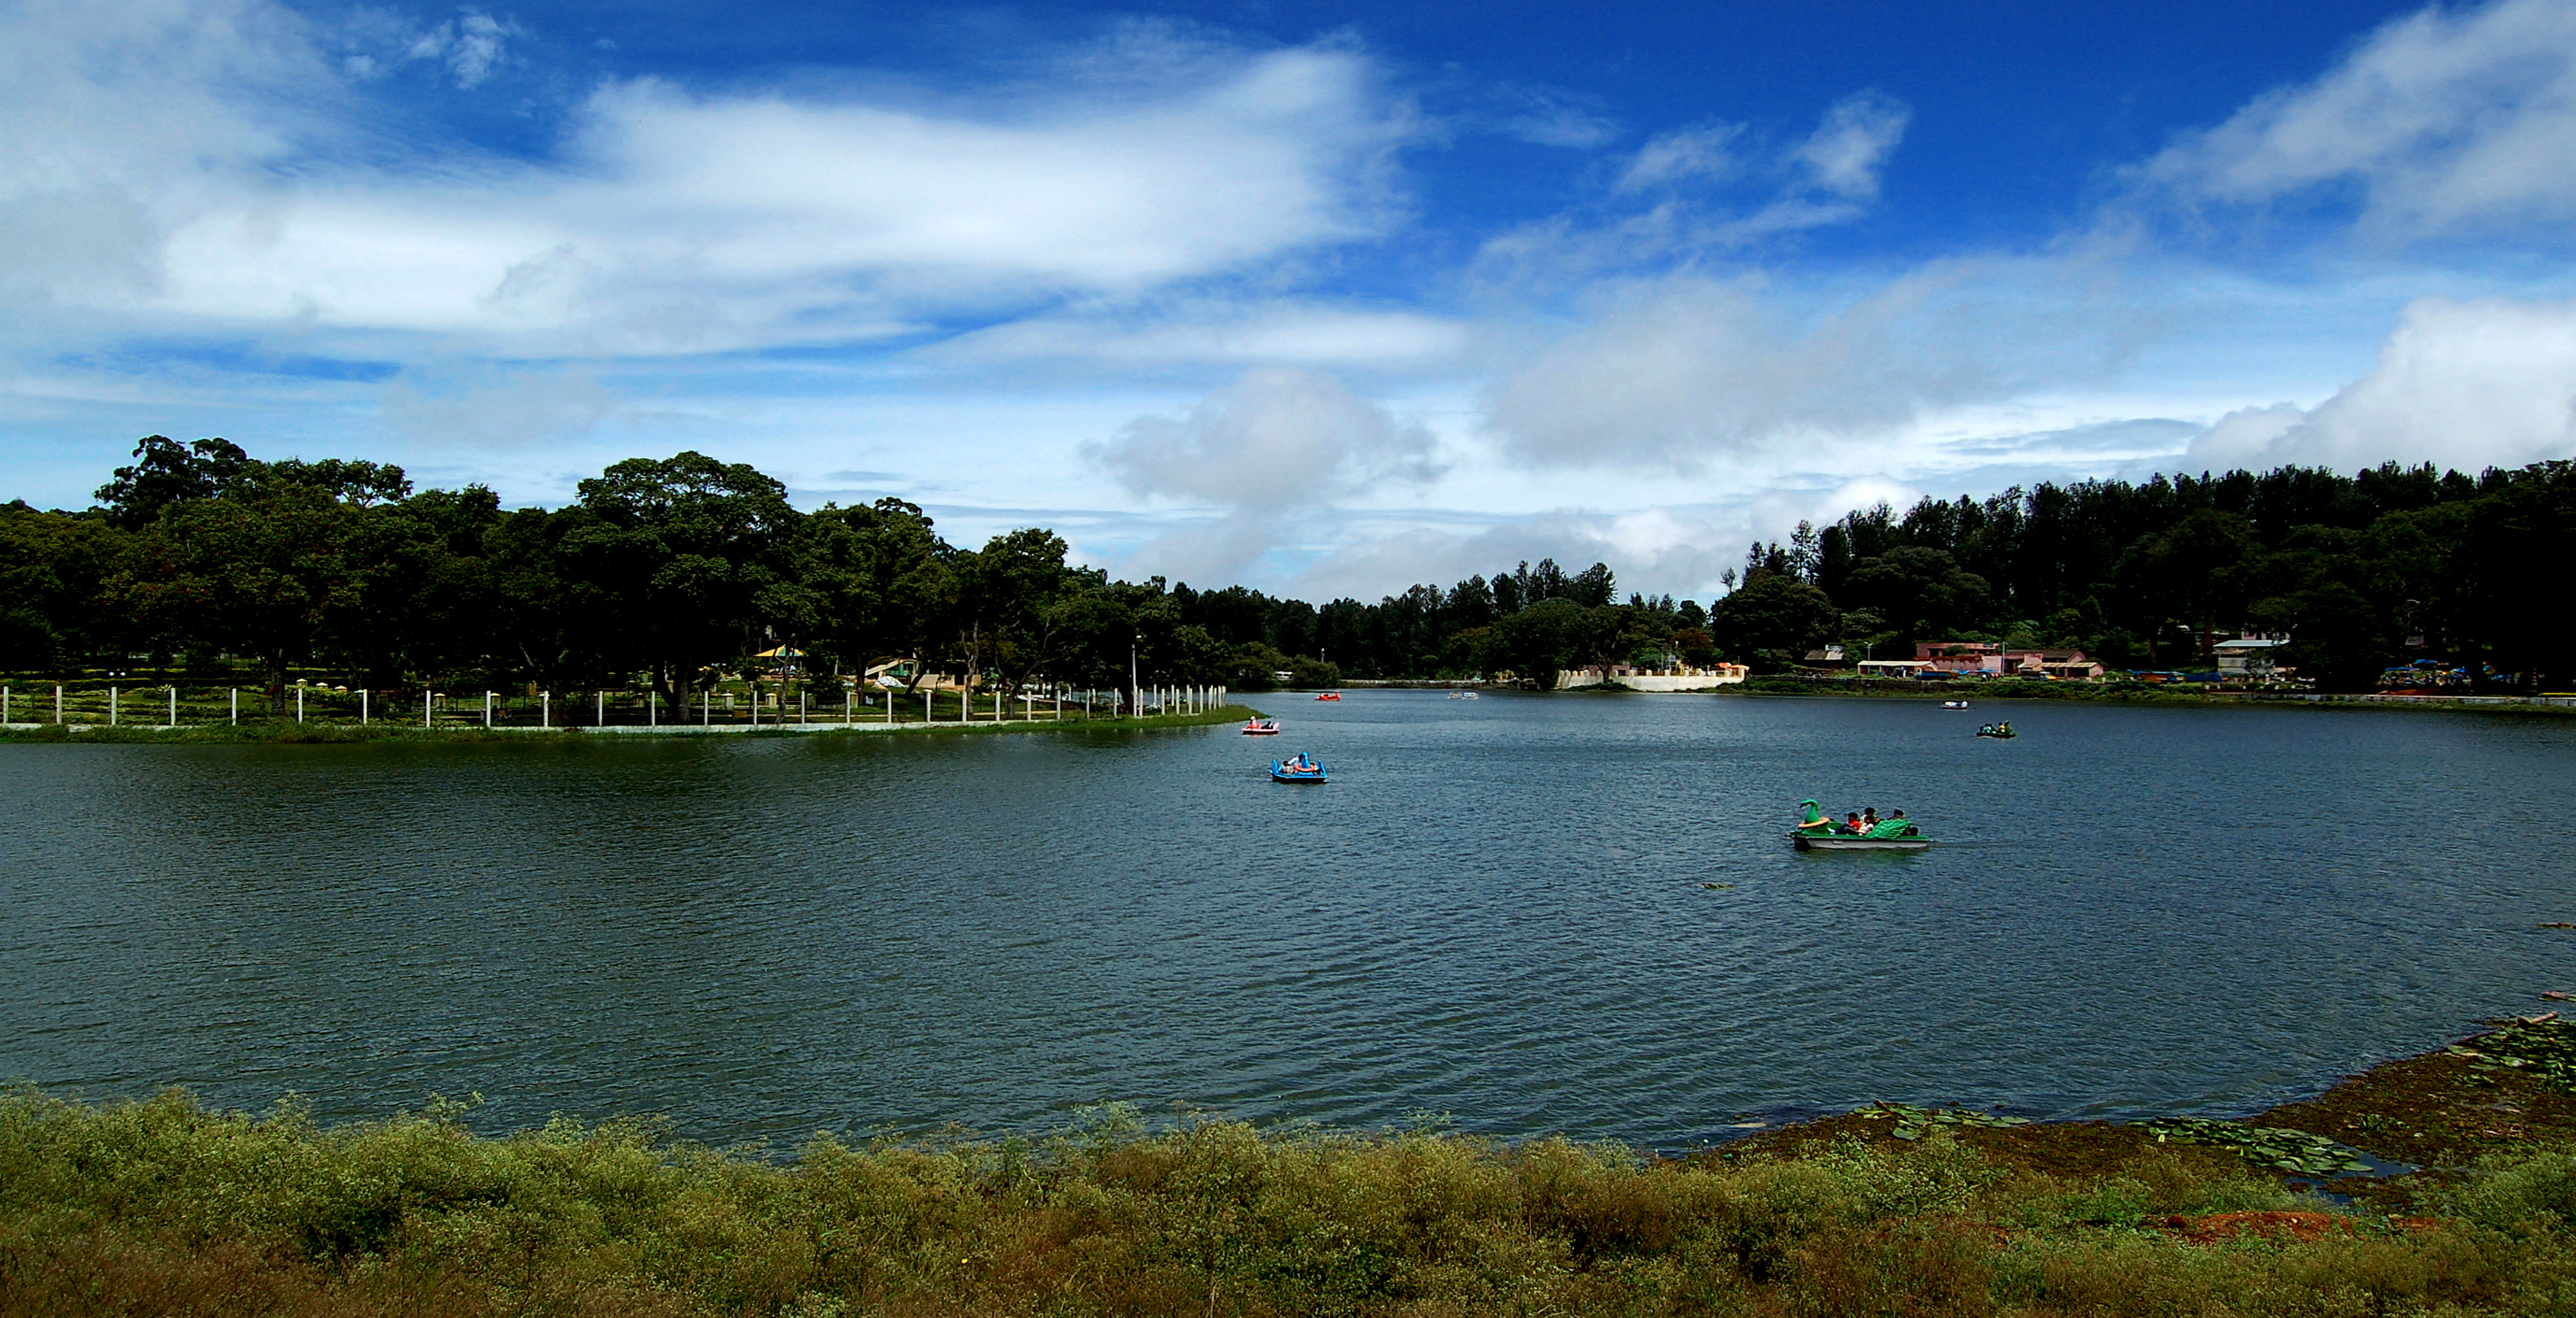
1497,909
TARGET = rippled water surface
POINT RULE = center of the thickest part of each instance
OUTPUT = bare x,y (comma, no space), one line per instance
1497,909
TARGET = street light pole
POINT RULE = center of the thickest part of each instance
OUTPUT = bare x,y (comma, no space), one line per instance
1135,693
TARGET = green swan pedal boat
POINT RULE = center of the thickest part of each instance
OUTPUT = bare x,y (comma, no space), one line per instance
1819,833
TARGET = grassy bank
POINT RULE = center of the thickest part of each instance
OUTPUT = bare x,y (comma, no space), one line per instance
164,1207
288,732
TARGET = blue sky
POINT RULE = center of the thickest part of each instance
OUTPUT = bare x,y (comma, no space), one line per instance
1323,298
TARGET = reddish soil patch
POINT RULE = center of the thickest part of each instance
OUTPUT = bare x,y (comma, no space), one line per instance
2305,1228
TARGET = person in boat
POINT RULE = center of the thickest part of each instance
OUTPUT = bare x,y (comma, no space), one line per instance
1815,821
1851,824
1893,826
1869,819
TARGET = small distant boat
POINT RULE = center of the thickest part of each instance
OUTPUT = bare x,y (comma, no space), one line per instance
1909,841
1329,695
2003,730
1303,769
1261,727
1954,704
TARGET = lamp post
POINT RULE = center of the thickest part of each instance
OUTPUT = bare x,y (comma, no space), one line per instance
1135,692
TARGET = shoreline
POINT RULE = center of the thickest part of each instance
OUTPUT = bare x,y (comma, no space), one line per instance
267,732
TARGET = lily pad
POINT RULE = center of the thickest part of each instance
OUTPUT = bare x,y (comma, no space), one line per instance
2277,1147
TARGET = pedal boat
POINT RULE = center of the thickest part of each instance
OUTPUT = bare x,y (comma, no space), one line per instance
1330,695
1283,772
1261,727
1909,840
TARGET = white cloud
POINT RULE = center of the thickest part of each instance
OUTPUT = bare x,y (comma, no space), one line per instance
504,411
1268,447
1848,149
1549,118
1675,549
2446,117
2467,384
1692,154
1683,373
122,119
1275,438
138,174
1287,334
1669,206
2244,438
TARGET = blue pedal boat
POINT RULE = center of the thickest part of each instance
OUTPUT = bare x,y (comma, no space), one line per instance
1304,769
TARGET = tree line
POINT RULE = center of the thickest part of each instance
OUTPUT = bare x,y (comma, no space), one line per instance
670,571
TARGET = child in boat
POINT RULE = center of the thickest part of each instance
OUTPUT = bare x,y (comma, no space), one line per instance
1869,818
1851,824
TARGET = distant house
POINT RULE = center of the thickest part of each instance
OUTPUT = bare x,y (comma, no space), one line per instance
1829,657
2250,658
1992,659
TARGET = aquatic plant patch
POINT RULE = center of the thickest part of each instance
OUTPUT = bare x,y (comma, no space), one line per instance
2542,1047
1913,1123
2275,1147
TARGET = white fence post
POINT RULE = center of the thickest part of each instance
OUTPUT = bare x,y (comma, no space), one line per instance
58,702
174,708
299,702
424,707
111,707
233,697
362,706
487,709
545,710
599,714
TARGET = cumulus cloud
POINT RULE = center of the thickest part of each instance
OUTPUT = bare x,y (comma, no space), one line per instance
2443,118
1275,437
2467,384
1683,373
1273,444
1676,549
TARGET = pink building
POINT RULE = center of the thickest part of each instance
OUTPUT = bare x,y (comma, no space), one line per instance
1991,659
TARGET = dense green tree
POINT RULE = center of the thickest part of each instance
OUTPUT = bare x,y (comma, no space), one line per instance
166,472
690,557
680,566
1773,619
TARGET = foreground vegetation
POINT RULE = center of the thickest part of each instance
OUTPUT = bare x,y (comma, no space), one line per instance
166,1207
